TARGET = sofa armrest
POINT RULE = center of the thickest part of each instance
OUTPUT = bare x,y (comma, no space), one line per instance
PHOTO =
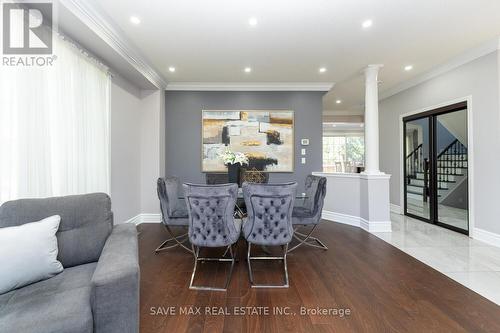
115,283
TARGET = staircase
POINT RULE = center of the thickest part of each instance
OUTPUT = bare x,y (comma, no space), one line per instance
451,171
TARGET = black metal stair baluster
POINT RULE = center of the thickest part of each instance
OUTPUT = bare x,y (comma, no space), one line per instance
455,157
414,163
452,159
426,179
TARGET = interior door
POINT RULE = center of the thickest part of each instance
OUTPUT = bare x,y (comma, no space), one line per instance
452,170
436,167
417,168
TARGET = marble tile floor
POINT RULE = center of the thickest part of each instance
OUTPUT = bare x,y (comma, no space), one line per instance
452,216
470,262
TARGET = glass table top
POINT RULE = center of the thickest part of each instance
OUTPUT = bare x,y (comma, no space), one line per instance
240,196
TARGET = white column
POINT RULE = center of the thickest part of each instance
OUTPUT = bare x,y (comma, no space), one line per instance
371,120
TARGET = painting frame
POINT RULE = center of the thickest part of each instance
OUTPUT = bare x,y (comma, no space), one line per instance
292,113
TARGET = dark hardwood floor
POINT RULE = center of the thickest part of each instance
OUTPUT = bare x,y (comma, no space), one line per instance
384,290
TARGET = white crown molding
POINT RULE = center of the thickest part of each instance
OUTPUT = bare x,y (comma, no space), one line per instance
466,57
254,86
102,26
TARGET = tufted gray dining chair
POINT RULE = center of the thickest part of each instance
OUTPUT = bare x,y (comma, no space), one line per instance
211,223
174,212
269,222
309,212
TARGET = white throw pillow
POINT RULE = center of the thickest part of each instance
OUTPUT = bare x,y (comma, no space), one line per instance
28,253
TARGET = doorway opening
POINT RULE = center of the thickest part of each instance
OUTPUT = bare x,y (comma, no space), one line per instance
436,167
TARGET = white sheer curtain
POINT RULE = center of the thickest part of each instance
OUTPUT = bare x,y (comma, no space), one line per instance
54,126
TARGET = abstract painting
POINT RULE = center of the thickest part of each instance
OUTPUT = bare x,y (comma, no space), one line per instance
266,137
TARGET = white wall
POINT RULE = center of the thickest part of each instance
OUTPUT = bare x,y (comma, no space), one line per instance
137,147
343,193
480,80
151,108
357,199
125,149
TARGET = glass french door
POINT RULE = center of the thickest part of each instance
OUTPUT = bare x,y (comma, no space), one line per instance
417,175
436,167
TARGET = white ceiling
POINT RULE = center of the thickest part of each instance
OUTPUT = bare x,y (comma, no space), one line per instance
211,40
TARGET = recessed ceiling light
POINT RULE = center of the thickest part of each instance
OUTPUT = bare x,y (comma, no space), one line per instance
361,125
367,24
135,20
171,69
322,70
338,101
247,69
252,21
408,68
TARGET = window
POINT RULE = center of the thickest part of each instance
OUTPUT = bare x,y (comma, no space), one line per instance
54,126
343,153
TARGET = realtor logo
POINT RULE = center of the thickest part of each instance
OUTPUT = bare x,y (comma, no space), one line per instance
27,28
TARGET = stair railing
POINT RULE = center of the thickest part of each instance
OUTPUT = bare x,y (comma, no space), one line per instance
452,159
414,163
426,191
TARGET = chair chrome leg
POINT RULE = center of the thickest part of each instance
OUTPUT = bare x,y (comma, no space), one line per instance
176,239
231,268
305,240
195,252
163,246
250,272
225,252
312,238
198,258
229,248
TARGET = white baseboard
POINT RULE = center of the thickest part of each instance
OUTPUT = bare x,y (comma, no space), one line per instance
370,226
375,226
356,221
134,220
145,218
340,218
396,209
487,237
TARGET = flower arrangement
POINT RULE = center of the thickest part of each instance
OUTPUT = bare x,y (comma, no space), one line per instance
229,157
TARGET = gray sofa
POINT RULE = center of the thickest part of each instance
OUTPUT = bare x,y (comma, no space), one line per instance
98,291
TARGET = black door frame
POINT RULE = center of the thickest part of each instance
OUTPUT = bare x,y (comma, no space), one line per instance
433,204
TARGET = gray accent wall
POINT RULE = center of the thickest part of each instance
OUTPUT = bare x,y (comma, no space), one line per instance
183,127
480,80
